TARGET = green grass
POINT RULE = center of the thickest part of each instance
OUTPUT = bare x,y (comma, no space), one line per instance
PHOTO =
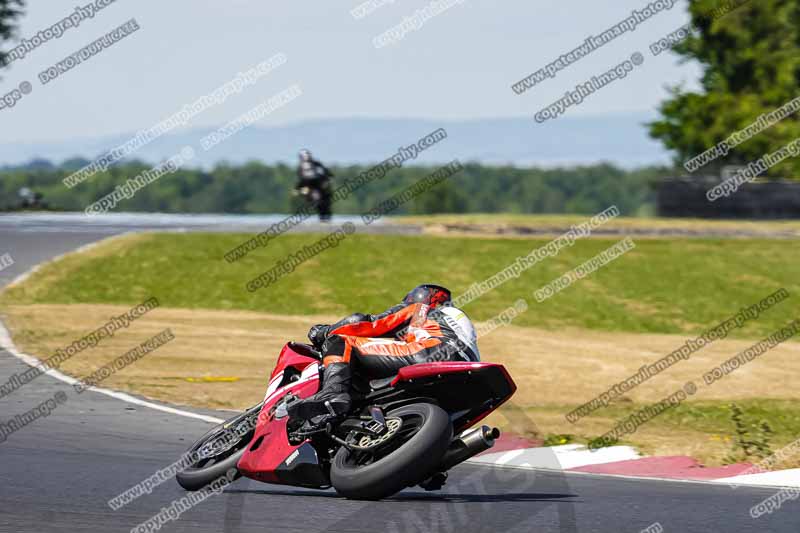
714,417
663,286
711,419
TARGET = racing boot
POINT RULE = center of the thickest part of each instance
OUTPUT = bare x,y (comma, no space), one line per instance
335,392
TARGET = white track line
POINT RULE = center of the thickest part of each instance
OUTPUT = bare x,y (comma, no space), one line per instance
7,344
740,481
559,457
777,478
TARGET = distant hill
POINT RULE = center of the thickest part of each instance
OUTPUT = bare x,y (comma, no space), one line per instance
619,139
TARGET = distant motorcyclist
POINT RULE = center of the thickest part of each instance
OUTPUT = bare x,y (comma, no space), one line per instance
314,184
30,199
429,331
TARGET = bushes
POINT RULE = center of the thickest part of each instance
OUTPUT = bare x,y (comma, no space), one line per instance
259,188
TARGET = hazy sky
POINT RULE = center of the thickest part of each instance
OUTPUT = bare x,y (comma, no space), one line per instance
459,65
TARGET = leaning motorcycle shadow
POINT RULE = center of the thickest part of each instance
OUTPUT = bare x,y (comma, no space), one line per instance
412,496
480,498
285,492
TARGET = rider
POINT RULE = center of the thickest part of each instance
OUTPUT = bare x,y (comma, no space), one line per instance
428,327
315,176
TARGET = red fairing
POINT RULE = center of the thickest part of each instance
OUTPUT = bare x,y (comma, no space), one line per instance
290,357
495,379
274,448
436,369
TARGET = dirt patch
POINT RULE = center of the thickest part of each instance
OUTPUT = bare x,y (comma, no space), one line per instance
554,371
554,225
503,230
551,368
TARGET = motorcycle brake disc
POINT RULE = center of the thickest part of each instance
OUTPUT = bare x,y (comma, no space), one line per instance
367,442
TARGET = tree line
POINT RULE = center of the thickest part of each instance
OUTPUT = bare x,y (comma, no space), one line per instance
260,188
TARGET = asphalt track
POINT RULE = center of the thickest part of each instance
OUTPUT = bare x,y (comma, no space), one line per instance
58,473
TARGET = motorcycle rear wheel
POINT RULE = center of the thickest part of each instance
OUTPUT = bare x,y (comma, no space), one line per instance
408,459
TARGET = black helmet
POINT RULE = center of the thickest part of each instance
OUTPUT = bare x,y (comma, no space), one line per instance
433,295
304,155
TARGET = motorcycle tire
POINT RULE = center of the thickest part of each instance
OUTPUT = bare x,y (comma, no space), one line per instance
201,473
404,466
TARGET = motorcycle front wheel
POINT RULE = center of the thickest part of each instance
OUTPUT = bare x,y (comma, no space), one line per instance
407,459
218,451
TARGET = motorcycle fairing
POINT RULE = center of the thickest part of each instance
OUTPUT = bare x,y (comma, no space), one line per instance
270,457
469,391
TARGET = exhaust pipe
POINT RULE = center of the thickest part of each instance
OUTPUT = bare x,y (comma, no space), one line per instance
468,444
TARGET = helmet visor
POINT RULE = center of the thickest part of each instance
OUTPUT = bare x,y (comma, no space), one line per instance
432,295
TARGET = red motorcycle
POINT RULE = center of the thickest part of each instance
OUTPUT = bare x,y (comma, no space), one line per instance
399,432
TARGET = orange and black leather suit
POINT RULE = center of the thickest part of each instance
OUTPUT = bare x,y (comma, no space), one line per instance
379,345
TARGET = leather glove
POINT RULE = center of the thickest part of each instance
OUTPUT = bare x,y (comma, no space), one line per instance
317,334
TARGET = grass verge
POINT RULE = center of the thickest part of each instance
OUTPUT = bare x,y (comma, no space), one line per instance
662,286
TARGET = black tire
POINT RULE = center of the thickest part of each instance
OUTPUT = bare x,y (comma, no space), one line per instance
203,472
411,463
